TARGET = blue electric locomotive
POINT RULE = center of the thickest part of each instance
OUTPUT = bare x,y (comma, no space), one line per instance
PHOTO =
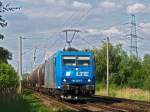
66,73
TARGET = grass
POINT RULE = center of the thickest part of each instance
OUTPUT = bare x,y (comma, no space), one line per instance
27,102
129,93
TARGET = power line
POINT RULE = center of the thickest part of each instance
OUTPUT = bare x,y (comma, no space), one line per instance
28,51
83,16
87,42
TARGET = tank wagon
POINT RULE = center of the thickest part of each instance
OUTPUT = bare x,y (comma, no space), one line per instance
66,74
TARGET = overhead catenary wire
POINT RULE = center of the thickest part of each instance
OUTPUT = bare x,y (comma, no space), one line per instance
55,41
28,51
87,42
52,45
82,17
31,33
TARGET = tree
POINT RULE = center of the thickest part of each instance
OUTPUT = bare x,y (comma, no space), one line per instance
5,55
146,60
124,70
100,56
115,57
119,72
146,72
8,76
135,79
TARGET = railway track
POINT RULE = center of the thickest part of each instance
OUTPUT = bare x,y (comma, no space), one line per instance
126,104
125,100
99,104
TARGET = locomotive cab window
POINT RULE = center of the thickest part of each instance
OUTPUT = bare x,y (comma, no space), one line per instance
69,61
83,61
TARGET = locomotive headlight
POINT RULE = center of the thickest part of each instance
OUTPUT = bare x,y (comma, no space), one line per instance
68,73
89,80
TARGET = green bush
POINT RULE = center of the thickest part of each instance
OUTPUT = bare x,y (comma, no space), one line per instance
147,83
8,76
5,55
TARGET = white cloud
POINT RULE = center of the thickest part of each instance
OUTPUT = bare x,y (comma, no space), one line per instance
137,8
57,2
53,8
45,9
30,1
41,13
109,4
81,5
52,1
38,2
93,31
112,31
145,28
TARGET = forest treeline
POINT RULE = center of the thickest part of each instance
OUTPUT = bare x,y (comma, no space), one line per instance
125,70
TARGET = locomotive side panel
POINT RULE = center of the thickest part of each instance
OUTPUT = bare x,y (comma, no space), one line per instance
58,70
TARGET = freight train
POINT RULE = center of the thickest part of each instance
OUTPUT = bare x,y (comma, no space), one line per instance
67,74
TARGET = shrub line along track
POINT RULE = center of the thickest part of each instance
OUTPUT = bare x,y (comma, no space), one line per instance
100,104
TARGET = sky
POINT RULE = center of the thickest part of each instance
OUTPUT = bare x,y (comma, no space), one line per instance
40,23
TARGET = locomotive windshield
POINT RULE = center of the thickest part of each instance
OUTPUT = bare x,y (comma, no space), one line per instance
79,61
83,61
69,61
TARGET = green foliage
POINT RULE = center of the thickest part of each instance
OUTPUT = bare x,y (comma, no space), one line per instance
147,83
124,70
4,55
115,57
146,71
27,102
8,76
